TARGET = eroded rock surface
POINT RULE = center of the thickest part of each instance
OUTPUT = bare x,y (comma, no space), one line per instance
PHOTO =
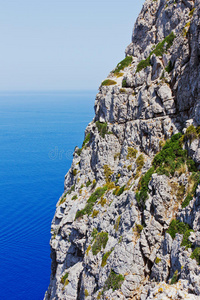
109,240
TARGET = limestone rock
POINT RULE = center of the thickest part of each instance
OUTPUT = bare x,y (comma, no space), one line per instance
108,240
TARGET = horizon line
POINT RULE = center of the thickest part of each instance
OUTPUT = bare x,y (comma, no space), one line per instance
46,90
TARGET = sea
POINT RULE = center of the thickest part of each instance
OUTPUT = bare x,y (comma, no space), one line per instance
38,134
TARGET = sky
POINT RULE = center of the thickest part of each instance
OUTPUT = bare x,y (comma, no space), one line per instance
61,44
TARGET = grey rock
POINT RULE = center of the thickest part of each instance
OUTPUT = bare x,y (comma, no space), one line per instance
157,103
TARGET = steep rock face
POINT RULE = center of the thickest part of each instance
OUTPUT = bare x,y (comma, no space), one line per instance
128,222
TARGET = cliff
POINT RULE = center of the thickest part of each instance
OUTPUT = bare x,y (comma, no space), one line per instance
128,223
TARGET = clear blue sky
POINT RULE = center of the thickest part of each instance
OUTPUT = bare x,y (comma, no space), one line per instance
61,44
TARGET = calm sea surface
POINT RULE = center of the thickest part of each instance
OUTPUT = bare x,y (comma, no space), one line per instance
38,133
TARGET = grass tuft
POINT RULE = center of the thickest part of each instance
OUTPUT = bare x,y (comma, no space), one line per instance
124,83
116,226
196,255
104,258
158,260
87,210
142,193
123,64
182,228
95,213
107,173
85,142
113,281
108,82
100,242
64,278
119,190
102,128
131,153
174,277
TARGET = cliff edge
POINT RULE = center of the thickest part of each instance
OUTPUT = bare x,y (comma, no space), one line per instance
128,223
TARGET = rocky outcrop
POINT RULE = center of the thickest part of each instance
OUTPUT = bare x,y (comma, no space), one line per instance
128,223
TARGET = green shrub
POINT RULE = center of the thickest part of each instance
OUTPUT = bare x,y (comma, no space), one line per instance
100,241
169,67
142,193
105,257
87,210
131,153
198,130
194,181
174,277
116,226
195,177
159,50
143,64
187,200
170,157
78,151
124,83
119,190
185,242
86,293
196,255
191,133
191,165
163,46
113,281
94,234
88,183
97,194
177,227
108,82
86,140
74,197
102,128
123,64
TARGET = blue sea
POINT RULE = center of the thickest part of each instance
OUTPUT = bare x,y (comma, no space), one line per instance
38,134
